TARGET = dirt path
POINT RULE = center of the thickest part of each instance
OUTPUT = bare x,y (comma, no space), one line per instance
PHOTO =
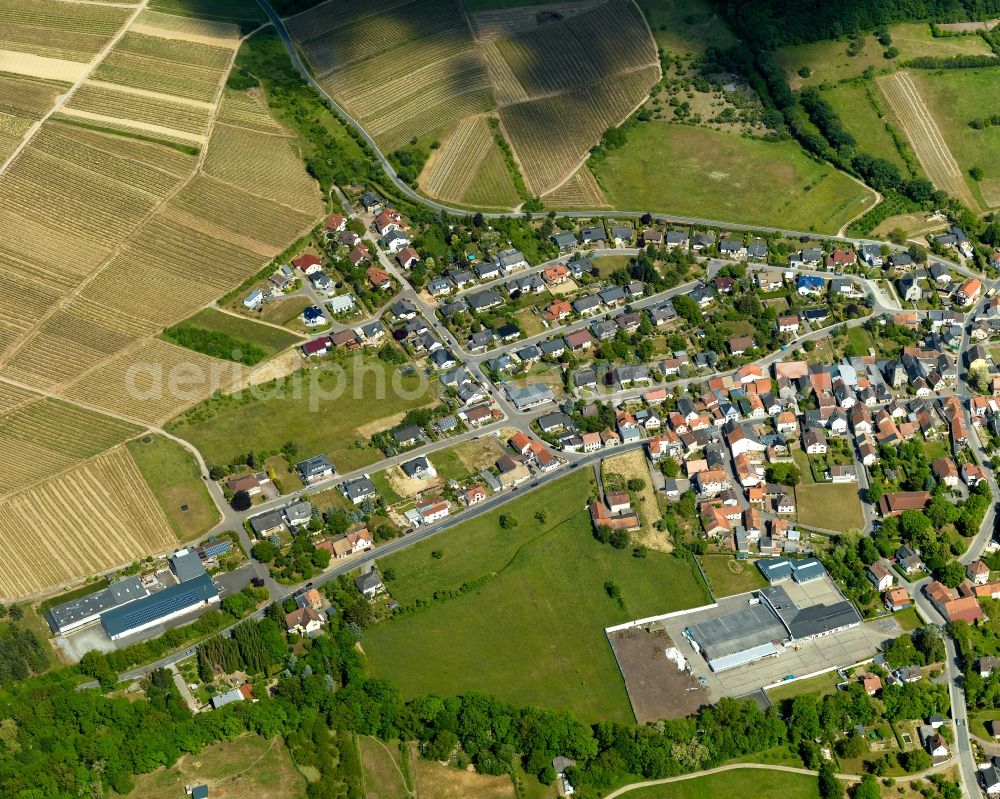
929,145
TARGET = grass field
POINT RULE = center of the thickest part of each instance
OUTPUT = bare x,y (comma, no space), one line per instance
757,783
322,417
699,172
383,770
861,339
728,576
833,506
469,457
853,104
688,26
247,766
955,98
172,475
434,781
607,264
829,62
270,339
534,634
821,684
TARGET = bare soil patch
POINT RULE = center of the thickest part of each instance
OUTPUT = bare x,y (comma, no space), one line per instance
656,688
633,464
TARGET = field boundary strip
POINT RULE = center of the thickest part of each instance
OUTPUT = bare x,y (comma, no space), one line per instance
924,135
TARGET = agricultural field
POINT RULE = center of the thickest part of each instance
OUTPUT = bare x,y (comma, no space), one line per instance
829,61
89,519
954,98
169,119
23,101
552,654
247,766
761,783
469,168
861,109
403,71
550,147
699,172
45,436
245,13
150,62
323,417
57,30
153,381
174,478
580,192
492,20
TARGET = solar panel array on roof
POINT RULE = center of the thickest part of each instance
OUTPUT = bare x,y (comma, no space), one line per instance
86,608
144,612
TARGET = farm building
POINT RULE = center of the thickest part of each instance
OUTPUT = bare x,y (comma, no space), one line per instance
77,613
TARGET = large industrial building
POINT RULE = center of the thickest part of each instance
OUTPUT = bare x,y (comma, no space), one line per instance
127,607
775,617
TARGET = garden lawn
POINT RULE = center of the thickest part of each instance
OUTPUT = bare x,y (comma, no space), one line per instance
270,339
854,106
725,580
607,264
955,97
833,506
534,633
705,173
937,448
321,415
821,685
174,478
861,339
757,783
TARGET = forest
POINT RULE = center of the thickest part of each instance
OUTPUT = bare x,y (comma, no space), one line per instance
768,24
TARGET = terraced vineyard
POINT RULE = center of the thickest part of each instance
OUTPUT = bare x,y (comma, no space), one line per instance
45,436
23,101
469,168
89,519
178,67
245,13
53,29
403,71
137,383
134,111
553,135
580,192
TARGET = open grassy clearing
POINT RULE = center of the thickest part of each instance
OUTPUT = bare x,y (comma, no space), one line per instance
694,171
534,633
267,337
955,98
172,474
89,519
853,104
686,26
314,418
921,129
829,61
468,457
752,782
727,575
633,465
831,506
861,339
72,31
821,684
434,781
383,772
247,766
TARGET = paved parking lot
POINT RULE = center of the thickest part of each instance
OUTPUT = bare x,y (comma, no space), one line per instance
799,658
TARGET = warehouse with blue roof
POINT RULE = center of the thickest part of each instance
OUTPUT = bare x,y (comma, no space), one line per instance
161,607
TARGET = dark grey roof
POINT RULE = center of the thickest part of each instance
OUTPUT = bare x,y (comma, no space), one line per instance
121,592
410,432
266,521
186,566
359,488
120,620
313,466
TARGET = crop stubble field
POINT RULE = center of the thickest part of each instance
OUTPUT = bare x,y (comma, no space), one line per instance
924,135
109,237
